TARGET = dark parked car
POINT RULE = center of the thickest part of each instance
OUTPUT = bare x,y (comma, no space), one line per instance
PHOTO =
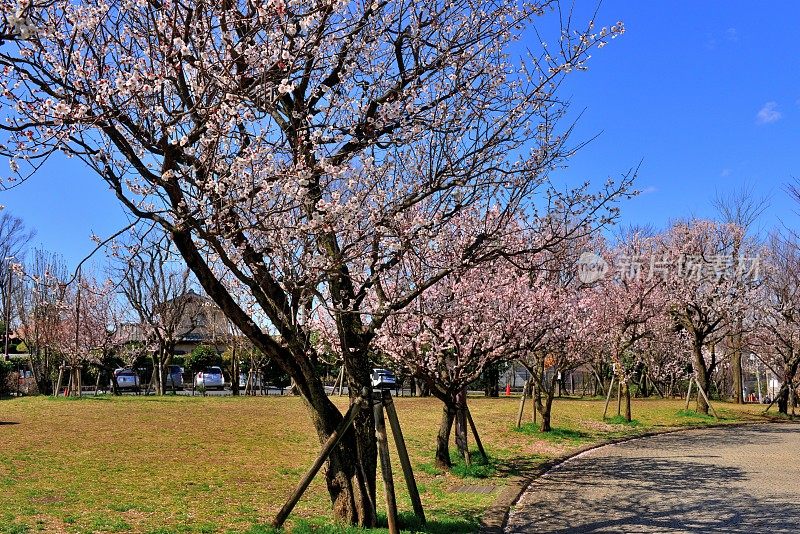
383,379
174,378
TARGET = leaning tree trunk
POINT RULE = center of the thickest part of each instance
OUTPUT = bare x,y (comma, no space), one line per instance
352,465
351,468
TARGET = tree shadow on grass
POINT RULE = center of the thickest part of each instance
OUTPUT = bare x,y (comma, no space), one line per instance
408,522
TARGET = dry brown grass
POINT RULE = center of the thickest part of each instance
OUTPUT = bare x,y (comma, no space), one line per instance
223,464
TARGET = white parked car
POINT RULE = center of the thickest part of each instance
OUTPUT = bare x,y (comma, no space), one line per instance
210,378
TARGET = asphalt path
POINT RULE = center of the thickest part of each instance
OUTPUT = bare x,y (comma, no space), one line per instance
738,479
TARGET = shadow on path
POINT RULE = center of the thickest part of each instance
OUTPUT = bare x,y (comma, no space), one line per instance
670,483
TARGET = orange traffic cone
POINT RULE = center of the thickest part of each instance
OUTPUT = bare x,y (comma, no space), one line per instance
508,390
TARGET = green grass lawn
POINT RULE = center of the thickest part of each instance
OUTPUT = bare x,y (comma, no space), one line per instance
224,464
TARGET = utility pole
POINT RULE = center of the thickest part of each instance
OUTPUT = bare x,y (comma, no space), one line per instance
7,304
77,373
758,381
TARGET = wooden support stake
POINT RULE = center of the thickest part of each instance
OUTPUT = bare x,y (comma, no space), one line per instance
522,403
653,383
332,441
341,381
600,382
477,437
461,431
619,397
58,382
689,392
703,393
608,397
386,464
402,452
780,392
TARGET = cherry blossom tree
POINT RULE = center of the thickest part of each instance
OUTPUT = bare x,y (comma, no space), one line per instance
300,151
554,343
38,313
741,207
776,340
84,332
708,289
463,323
628,307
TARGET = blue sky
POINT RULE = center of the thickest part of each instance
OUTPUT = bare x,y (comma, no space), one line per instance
705,94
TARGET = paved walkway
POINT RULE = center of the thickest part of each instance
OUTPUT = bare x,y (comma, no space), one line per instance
744,479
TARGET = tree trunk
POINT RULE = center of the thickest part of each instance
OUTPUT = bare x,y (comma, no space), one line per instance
443,437
736,369
491,375
234,373
544,409
352,466
350,486
627,393
789,371
545,390
701,375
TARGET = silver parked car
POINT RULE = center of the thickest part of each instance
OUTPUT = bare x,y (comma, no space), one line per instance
126,379
210,377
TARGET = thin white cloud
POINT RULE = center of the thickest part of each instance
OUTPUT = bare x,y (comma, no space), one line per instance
731,34
768,113
647,190
725,173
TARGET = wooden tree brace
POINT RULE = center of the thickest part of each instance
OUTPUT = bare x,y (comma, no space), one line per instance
608,397
405,461
703,393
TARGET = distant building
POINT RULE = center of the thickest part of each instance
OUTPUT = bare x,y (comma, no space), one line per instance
201,323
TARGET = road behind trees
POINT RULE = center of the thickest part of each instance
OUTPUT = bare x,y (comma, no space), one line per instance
744,479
